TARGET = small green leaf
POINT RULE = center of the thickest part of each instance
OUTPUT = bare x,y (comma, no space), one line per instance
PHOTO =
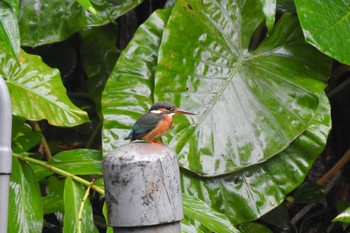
9,31
25,208
88,6
79,161
37,91
211,219
344,216
326,26
72,198
26,139
310,193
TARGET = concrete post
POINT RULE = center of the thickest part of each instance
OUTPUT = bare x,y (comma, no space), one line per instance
142,185
5,153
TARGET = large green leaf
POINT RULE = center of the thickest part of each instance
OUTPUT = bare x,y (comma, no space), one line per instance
25,209
326,26
42,22
248,194
200,211
99,55
9,31
128,91
72,198
250,104
79,161
37,91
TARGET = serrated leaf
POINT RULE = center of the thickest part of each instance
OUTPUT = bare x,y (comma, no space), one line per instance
326,26
72,198
248,194
25,207
9,31
37,91
79,161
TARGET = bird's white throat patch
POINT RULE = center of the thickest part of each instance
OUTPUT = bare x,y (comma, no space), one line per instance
156,111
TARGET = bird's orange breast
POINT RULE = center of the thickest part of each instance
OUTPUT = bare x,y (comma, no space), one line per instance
162,127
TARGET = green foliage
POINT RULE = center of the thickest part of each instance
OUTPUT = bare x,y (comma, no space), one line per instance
256,85
327,30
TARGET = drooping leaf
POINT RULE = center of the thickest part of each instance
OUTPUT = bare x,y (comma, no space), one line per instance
53,201
326,26
37,91
99,55
43,22
128,91
248,194
201,212
25,207
79,161
250,105
72,198
25,139
269,9
9,32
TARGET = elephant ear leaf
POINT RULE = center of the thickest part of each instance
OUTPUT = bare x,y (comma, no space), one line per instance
37,91
250,104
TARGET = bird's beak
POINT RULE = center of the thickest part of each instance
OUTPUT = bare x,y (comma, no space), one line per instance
179,111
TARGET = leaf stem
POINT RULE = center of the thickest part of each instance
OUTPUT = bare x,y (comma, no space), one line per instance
335,168
83,204
59,172
94,135
47,151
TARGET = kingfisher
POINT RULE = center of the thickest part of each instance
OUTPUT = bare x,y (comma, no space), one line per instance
155,123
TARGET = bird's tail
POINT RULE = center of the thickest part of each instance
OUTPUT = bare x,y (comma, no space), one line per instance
128,136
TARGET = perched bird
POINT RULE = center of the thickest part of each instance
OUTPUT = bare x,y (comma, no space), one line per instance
155,123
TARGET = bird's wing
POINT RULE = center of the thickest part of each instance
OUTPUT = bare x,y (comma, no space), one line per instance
145,124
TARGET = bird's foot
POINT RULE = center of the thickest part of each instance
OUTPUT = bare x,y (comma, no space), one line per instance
155,142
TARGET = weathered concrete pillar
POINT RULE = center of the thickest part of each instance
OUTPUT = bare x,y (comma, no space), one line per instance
5,153
142,185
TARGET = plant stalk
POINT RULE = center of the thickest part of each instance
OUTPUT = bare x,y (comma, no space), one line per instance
60,172
47,151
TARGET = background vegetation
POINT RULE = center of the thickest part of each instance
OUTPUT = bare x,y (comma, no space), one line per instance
261,75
